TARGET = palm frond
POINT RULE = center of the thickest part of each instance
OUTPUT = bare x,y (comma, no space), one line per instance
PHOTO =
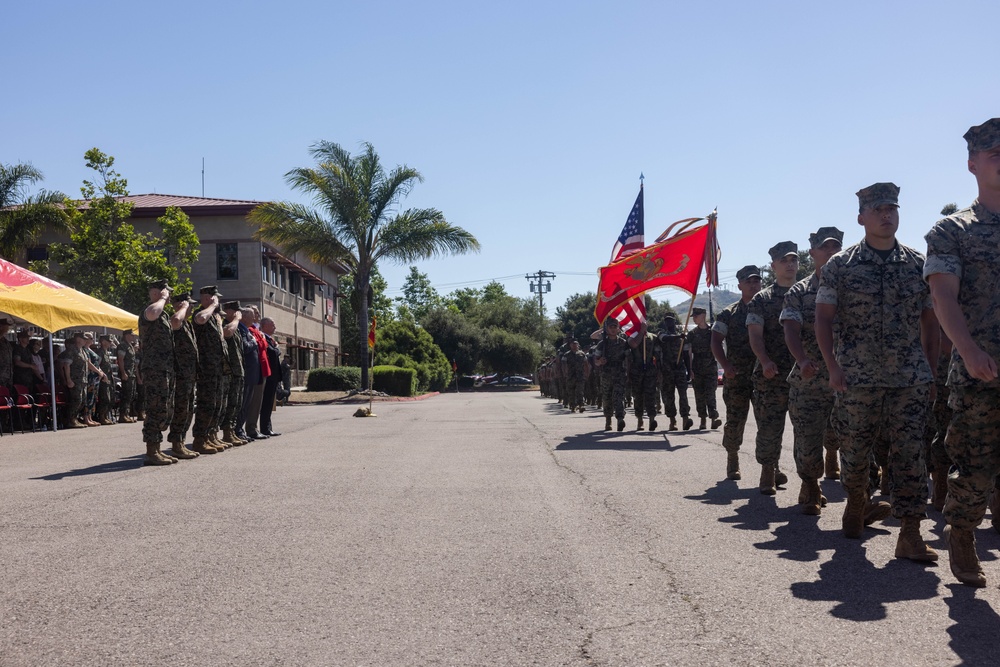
421,234
297,228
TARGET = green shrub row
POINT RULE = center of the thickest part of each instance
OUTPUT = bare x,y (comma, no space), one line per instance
395,381
334,378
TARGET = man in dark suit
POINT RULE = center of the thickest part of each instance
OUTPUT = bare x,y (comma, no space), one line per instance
271,383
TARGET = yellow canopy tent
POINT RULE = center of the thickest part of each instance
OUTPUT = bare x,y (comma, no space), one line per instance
53,307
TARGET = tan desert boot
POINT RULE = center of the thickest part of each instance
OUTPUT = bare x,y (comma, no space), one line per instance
962,555
910,544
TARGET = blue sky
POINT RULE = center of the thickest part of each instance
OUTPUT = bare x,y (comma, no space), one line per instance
530,121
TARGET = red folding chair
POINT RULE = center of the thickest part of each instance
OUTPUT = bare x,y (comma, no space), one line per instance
43,405
6,408
24,402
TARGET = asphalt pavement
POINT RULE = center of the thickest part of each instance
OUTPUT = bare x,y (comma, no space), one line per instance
464,529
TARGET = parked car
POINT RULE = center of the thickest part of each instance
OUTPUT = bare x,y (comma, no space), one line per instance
510,380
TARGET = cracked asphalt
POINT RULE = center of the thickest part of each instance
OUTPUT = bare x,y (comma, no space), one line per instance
468,529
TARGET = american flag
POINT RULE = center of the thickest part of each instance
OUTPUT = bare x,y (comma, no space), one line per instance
631,240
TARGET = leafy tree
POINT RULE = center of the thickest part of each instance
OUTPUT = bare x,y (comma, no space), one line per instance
406,345
22,215
106,257
459,339
419,296
356,222
576,317
948,209
509,352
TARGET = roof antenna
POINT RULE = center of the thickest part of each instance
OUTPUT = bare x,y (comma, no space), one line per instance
203,178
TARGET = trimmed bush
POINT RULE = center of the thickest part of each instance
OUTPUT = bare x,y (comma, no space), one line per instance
395,381
334,378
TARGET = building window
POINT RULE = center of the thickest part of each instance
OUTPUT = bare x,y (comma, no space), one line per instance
283,279
295,282
309,291
274,273
263,269
227,261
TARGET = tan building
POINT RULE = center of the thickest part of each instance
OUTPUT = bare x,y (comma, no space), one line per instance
298,294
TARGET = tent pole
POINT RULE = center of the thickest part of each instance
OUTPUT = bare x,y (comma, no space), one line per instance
52,384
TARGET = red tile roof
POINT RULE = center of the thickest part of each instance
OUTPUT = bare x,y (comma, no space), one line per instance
155,205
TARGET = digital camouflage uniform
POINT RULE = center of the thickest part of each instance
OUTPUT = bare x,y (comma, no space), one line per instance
157,368
644,364
704,372
770,395
6,362
575,373
213,363
674,374
737,392
810,402
185,377
105,390
940,415
77,395
613,374
879,304
234,383
127,353
966,244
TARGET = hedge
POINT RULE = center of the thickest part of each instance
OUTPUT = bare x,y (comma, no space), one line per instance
334,378
395,381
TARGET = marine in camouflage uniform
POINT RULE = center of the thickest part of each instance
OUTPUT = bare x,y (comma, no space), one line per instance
704,370
105,390
157,368
774,363
564,394
675,372
886,334
810,398
576,374
126,373
74,360
234,387
611,357
645,361
963,271
185,375
737,361
6,354
213,364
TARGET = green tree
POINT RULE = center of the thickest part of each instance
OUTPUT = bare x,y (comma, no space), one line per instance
948,209
460,340
381,307
419,296
576,317
23,215
106,257
406,345
356,222
508,352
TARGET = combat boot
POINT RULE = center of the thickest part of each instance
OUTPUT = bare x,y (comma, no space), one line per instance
910,544
780,478
811,493
884,481
876,511
716,422
229,436
804,496
962,556
652,424
854,514
733,466
767,480
202,446
213,439
607,423
832,464
153,456
639,427
673,424
688,423
580,409
621,425
939,491
701,426
182,452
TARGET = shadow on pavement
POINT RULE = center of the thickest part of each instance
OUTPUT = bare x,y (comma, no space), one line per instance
976,626
624,441
127,463
863,591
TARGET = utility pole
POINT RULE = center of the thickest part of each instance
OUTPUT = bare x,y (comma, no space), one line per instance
538,282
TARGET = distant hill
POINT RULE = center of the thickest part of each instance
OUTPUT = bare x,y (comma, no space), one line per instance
720,299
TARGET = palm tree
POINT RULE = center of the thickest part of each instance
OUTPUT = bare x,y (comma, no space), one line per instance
356,221
24,216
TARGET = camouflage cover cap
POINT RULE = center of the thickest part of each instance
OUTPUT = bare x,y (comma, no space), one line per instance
128,332
747,271
105,337
158,283
824,234
783,249
983,137
610,320
669,318
87,335
23,333
183,296
879,194
231,305
211,290
698,311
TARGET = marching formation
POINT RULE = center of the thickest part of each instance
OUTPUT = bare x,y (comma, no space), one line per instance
884,360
